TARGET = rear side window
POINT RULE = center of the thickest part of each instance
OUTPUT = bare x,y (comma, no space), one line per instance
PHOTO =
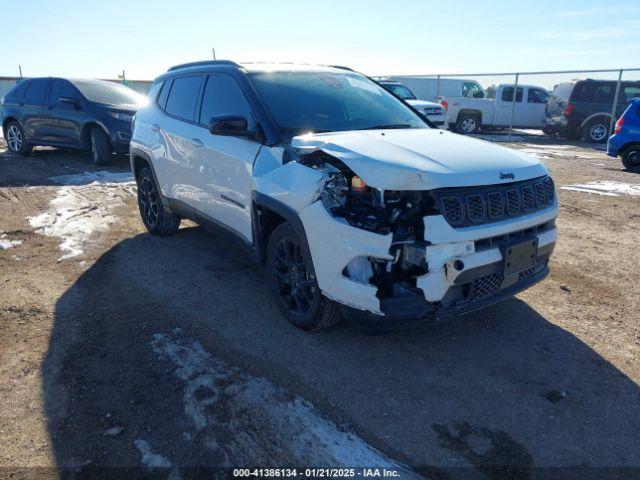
594,92
535,95
19,89
164,94
62,88
183,97
37,91
222,95
507,94
563,91
154,90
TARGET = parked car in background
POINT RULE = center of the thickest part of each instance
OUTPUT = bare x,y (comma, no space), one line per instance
432,89
434,112
351,200
468,114
582,108
94,115
625,141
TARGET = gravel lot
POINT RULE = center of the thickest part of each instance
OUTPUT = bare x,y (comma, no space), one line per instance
122,350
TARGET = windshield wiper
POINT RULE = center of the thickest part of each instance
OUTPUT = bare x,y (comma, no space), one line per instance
386,127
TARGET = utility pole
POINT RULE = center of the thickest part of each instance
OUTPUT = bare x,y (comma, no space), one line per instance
20,69
213,51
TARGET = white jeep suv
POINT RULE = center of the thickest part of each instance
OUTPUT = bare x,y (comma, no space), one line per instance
354,204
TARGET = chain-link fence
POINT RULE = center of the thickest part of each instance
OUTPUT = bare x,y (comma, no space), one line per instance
577,104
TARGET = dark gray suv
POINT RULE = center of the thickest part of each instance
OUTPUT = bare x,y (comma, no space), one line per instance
94,115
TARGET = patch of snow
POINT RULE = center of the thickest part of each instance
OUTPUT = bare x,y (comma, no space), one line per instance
93,178
606,188
154,460
78,212
498,137
546,147
6,243
224,403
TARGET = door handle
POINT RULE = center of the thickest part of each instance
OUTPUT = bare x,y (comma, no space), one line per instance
196,142
155,127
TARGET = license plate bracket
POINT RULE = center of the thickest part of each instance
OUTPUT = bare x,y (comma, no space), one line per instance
519,256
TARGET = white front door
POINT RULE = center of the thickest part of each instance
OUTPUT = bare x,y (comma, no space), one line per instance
223,164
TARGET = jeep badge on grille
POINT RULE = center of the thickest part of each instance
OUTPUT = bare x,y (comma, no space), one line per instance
509,176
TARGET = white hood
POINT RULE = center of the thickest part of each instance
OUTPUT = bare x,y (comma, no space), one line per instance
418,104
422,159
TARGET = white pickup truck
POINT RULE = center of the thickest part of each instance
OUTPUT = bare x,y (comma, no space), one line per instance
468,114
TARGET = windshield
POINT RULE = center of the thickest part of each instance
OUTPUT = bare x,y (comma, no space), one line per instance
399,91
110,93
302,102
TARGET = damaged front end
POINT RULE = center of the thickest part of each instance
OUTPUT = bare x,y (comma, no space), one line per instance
396,256
392,273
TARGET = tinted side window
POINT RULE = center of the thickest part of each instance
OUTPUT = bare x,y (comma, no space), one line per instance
37,91
61,88
631,91
222,95
594,92
183,97
507,94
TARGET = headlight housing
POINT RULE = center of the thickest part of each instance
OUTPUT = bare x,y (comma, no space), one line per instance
124,117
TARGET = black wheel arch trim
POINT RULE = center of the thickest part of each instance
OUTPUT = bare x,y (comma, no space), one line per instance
286,212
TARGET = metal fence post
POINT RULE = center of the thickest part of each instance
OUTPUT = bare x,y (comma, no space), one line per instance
513,104
615,102
437,87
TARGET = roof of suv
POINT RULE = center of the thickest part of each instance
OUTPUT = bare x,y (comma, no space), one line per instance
254,67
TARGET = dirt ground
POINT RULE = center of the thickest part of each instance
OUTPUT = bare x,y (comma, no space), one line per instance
109,337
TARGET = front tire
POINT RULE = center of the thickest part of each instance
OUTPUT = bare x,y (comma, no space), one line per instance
155,217
294,284
631,159
596,131
468,124
16,141
99,145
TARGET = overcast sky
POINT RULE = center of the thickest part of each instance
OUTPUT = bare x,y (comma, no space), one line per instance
100,39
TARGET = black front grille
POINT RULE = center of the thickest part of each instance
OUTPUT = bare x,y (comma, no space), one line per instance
452,208
475,204
466,206
485,286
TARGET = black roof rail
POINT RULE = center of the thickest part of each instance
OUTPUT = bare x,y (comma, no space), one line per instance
341,67
203,63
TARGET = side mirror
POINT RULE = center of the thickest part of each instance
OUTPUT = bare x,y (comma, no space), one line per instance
70,100
229,125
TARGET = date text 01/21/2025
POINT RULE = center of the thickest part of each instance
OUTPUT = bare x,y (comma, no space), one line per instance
317,472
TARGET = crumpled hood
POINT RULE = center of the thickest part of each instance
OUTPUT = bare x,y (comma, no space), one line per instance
422,159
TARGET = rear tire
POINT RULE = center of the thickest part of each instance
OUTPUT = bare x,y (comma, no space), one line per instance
631,159
99,146
16,140
155,217
294,284
596,131
468,123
